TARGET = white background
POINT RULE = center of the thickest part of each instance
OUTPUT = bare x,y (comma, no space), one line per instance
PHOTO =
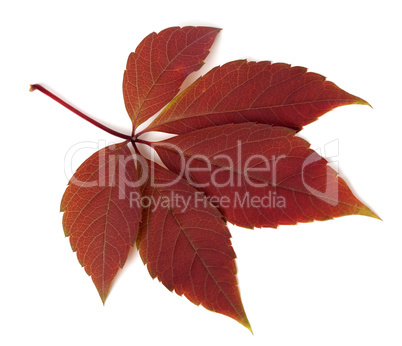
325,283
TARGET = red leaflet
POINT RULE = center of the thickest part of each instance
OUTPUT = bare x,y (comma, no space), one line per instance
185,243
98,216
161,62
241,91
236,158
259,175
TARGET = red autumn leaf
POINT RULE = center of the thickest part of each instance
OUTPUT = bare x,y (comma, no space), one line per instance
241,91
185,243
260,176
237,143
158,67
98,217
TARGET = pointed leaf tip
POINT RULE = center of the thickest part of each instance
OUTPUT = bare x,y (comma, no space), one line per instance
366,211
360,101
103,297
245,322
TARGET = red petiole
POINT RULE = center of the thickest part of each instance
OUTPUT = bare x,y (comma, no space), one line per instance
79,113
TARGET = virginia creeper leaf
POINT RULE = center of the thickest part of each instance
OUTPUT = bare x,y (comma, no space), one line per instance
241,91
185,243
236,158
98,217
260,175
158,67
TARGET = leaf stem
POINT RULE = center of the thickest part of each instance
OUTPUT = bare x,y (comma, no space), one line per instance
142,141
76,111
